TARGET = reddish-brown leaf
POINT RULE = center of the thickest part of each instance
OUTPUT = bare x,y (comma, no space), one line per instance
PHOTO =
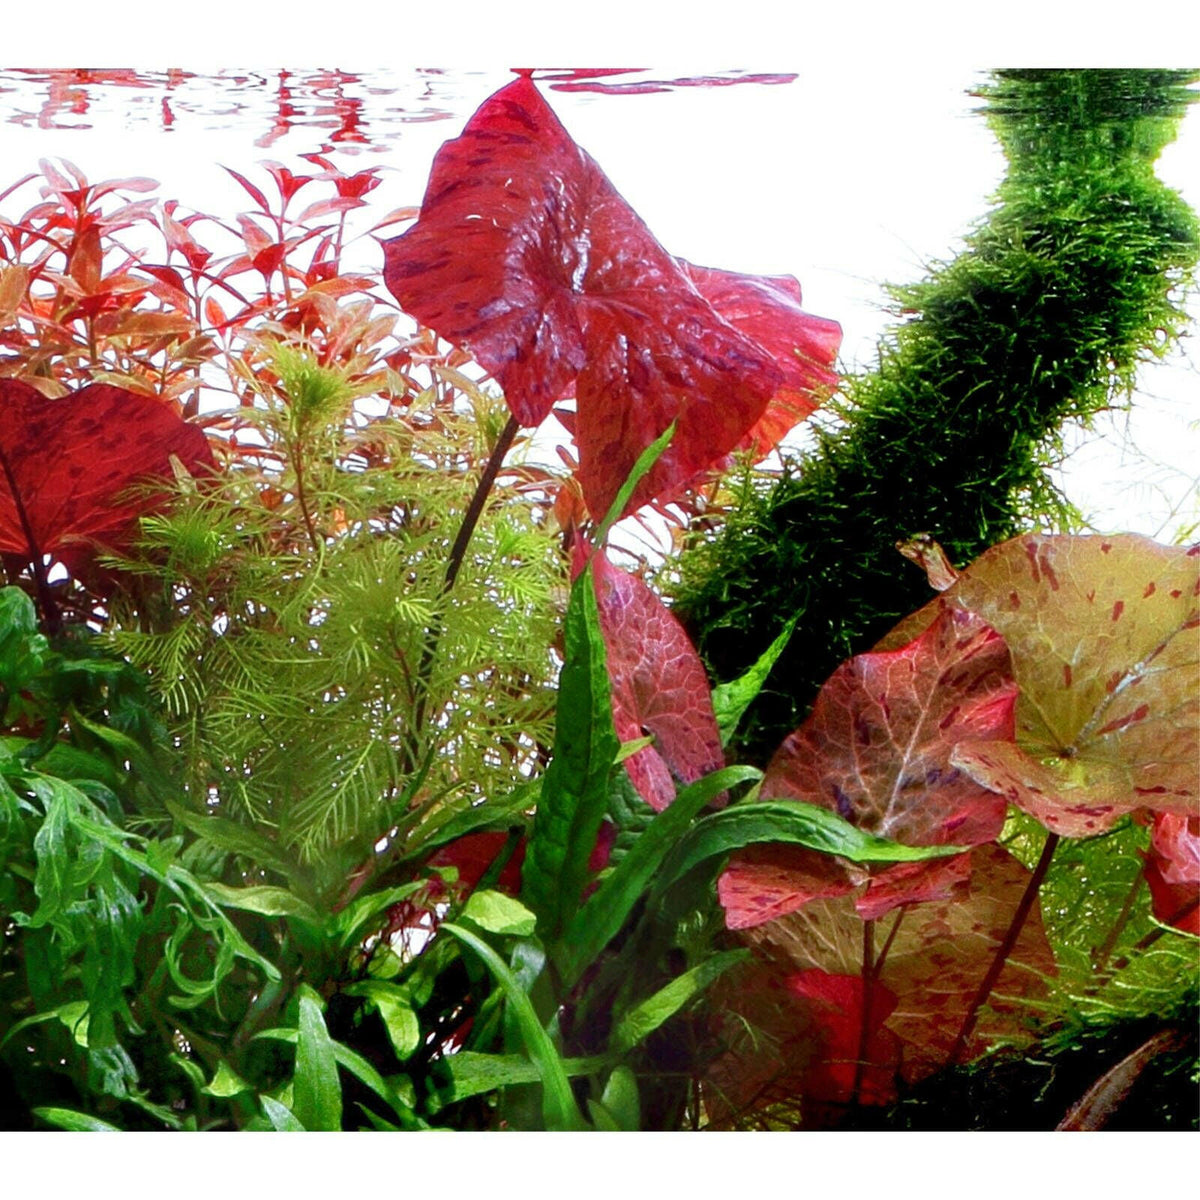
1173,870
525,253
1105,641
659,688
66,465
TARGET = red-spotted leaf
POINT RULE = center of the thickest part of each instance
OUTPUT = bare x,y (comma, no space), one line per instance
526,254
1105,640
877,749
67,466
659,688
1173,870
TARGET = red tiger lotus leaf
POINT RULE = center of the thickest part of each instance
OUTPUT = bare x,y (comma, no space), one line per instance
527,255
937,954
877,749
659,688
1173,870
68,467
1105,641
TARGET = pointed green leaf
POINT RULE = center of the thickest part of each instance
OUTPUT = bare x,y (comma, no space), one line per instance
318,1091
730,700
75,1122
282,1119
264,899
226,1082
641,469
494,912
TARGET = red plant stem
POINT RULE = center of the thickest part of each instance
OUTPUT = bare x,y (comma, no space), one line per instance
1005,949
868,978
1185,910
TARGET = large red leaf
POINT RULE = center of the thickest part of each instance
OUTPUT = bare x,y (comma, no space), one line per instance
877,750
659,688
526,254
1105,640
68,467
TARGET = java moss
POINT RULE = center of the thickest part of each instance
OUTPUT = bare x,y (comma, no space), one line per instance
1075,276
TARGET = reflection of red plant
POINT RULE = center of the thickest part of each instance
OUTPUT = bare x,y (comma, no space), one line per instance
525,253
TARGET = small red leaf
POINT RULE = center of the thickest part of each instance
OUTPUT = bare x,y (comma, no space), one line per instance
659,687
65,465
1173,870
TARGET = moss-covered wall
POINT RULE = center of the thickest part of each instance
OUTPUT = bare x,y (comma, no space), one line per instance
1074,276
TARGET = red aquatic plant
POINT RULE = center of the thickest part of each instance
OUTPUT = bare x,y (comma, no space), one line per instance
526,254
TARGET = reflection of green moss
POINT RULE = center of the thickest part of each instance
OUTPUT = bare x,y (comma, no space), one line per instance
1062,289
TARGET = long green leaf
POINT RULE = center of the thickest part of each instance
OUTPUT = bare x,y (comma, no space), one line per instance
730,700
317,1089
263,899
472,1074
559,1110
76,1122
646,1017
807,825
641,468
601,917
282,1119
575,785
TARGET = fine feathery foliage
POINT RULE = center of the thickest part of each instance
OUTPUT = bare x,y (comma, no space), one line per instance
1074,278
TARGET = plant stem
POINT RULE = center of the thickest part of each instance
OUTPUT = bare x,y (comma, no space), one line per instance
1114,934
454,563
1010,940
868,978
50,614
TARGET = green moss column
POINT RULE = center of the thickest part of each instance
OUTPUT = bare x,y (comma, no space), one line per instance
1072,279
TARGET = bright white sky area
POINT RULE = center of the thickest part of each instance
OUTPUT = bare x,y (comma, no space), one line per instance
842,181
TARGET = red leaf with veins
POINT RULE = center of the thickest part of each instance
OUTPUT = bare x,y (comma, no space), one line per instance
66,464
659,687
526,254
1173,870
877,749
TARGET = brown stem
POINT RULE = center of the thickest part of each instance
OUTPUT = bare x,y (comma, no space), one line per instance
1114,934
457,554
302,497
1010,940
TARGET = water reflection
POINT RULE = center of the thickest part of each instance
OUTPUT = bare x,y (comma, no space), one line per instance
349,111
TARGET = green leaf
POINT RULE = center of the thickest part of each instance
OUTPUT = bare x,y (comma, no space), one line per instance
345,926
559,1110
473,1074
601,917
647,1016
494,912
575,785
76,1122
620,1100
226,1082
784,821
730,700
264,899
318,1091
282,1119
641,468
394,1006
629,749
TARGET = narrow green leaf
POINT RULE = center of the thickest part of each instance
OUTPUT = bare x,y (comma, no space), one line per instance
646,1017
791,821
282,1119
601,917
641,468
629,749
76,1122
559,1110
346,926
264,899
473,1074
620,1100
494,912
730,700
575,785
318,1091
392,1003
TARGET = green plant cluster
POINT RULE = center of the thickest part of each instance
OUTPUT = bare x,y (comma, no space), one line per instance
1075,277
